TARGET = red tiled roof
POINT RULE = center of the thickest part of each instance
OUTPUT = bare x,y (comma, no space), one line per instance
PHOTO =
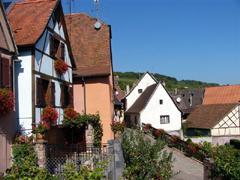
207,116
91,47
28,19
222,94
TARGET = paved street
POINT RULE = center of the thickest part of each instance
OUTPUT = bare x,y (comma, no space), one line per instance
186,168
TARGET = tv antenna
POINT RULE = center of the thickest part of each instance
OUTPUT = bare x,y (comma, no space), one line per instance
97,24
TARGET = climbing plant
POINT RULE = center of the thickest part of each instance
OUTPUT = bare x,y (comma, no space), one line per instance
73,119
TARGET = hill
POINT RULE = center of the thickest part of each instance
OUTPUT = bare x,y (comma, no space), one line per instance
129,78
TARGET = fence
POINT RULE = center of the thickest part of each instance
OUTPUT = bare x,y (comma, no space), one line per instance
58,154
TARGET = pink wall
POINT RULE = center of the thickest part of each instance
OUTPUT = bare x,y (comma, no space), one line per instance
98,100
7,132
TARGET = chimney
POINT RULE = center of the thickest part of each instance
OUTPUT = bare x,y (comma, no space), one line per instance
127,89
163,83
175,91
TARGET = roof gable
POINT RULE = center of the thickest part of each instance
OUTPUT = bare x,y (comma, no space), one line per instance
207,116
29,18
141,79
222,95
91,47
6,37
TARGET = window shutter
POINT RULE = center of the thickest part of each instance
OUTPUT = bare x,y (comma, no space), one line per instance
70,96
6,72
53,94
39,98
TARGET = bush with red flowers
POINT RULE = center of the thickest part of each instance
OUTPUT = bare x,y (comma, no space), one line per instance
49,117
60,66
6,101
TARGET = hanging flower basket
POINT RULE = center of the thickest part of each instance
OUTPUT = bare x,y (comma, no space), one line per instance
6,101
49,117
60,66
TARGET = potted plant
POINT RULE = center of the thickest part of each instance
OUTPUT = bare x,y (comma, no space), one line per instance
71,118
40,131
6,101
60,66
49,117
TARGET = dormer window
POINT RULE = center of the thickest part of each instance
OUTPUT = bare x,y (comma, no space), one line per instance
140,91
56,48
160,101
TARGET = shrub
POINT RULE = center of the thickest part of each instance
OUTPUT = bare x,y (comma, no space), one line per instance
41,128
117,127
60,66
6,101
49,117
227,162
143,159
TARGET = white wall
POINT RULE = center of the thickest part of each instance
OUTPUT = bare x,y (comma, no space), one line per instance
151,114
23,73
231,127
146,81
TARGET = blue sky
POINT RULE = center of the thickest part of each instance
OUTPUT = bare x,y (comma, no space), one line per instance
186,39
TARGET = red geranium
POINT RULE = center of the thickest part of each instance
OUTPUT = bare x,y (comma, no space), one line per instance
60,66
71,114
6,101
49,117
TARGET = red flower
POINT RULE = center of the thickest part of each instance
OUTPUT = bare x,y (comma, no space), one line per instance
49,117
70,114
6,101
60,66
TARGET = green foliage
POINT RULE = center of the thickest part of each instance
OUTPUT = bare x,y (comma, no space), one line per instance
129,78
227,163
84,173
117,127
84,120
143,159
25,165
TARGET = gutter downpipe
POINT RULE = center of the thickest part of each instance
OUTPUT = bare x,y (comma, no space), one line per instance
84,94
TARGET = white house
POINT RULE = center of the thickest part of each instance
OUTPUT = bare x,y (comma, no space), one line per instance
41,36
153,105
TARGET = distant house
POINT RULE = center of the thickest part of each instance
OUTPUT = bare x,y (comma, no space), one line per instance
187,100
150,103
41,36
8,53
93,78
217,119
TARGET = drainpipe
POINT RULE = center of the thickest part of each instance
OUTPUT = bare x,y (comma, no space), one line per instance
84,94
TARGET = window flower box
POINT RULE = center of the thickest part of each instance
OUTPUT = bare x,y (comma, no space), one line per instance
60,66
6,101
49,117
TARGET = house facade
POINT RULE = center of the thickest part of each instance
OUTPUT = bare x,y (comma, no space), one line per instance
41,36
153,106
8,54
93,77
217,120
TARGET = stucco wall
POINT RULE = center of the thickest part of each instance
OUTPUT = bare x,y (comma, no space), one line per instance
98,100
146,81
151,114
7,132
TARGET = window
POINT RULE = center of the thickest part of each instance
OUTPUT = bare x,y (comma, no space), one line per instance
164,119
66,96
160,101
45,93
140,91
54,45
62,46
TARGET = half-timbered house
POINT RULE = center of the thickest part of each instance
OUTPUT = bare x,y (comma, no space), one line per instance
217,120
41,36
8,54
